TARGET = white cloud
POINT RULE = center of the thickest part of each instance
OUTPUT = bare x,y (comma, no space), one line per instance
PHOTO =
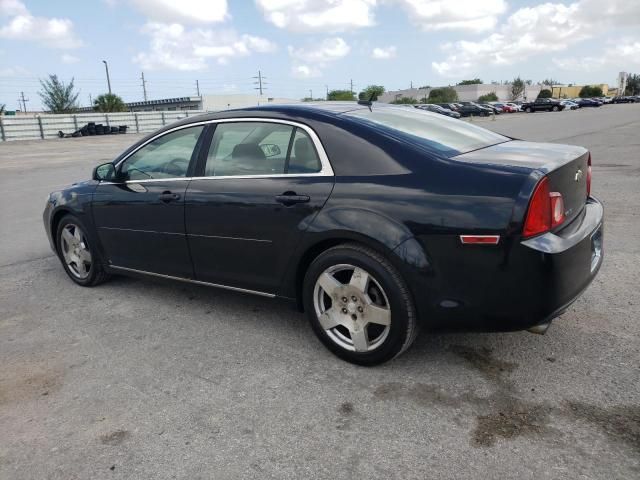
305,71
68,59
174,47
328,50
13,71
473,15
22,25
184,11
326,16
624,54
542,29
384,53
310,61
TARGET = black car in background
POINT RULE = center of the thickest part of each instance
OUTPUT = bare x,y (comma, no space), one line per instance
438,109
468,109
543,105
587,102
377,220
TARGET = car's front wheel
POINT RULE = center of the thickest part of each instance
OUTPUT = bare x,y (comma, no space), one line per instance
79,257
359,305
555,108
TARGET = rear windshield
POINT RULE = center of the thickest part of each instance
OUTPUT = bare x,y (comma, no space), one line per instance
438,133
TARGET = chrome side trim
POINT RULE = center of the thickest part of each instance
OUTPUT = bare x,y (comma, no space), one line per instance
325,171
229,238
196,282
140,231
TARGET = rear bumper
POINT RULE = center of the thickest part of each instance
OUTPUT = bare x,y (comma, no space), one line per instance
519,283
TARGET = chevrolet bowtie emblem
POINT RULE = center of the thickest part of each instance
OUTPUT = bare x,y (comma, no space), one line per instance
579,175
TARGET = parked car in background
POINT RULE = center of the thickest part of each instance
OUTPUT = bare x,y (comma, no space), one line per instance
517,107
570,104
377,220
449,106
588,102
505,107
469,109
495,108
543,105
430,107
625,99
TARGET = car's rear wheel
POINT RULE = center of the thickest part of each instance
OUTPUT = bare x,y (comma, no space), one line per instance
528,110
79,257
555,108
358,305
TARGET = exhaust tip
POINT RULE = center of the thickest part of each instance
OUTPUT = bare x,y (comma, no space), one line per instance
540,329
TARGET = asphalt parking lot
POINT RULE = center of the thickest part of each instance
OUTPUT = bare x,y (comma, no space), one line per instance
140,379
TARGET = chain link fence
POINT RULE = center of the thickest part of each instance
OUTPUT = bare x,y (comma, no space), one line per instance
32,127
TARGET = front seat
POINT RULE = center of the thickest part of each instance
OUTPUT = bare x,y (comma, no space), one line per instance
249,159
305,160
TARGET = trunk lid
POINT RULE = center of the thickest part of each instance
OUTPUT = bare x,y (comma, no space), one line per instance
566,166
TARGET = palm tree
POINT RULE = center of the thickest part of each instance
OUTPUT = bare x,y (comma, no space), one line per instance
109,102
57,96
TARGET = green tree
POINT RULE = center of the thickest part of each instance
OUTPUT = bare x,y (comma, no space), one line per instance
590,91
109,102
372,92
489,97
517,88
405,101
474,81
57,96
633,85
545,93
443,95
550,82
341,95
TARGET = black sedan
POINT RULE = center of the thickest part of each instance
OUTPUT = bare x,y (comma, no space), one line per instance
377,220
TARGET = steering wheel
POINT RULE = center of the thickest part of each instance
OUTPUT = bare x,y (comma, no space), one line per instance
174,167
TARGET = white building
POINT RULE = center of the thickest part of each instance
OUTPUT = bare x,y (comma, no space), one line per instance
466,93
226,102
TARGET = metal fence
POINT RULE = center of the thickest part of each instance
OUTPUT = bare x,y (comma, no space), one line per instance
30,127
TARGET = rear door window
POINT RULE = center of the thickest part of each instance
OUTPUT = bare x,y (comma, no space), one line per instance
438,133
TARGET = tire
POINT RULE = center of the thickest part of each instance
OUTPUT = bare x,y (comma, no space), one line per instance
528,110
378,320
80,260
555,108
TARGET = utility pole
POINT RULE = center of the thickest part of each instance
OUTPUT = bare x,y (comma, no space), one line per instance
351,83
260,82
144,86
106,67
327,87
198,88
90,101
311,94
411,84
24,102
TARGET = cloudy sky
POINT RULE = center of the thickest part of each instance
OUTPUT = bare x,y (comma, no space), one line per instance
303,45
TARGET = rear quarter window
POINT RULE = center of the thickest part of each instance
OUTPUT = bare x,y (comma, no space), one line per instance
438,133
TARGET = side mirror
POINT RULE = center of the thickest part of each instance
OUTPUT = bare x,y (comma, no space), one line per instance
105,172
270,149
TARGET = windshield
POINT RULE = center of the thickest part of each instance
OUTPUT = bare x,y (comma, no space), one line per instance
440,134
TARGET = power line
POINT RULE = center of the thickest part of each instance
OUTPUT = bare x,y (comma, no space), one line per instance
24,102
144,86
260,82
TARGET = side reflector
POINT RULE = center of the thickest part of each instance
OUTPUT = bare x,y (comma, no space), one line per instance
480,239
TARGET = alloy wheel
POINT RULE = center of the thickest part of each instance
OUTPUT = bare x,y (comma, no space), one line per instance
75,251
352,308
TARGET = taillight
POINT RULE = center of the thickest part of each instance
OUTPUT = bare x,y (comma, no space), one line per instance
546,210
557,209
589,175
